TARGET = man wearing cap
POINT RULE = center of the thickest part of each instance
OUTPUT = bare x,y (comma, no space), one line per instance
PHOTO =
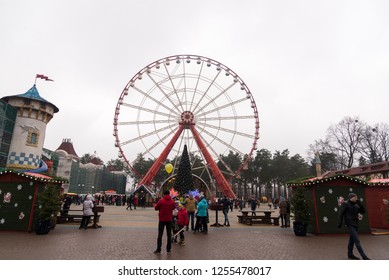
348,212
165,206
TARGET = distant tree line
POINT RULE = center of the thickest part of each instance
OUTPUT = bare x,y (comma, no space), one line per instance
346,144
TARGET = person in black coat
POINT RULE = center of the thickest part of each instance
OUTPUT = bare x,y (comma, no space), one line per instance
348,214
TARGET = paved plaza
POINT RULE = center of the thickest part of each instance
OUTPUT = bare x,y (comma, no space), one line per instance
131,235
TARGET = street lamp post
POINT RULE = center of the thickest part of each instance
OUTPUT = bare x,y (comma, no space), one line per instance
81,188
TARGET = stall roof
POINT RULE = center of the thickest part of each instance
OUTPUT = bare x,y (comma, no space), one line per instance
318,180
33,176
379,182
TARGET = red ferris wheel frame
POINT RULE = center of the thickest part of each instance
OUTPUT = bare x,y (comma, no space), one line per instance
187,121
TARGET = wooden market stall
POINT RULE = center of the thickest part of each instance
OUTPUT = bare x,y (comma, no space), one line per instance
325,195
377,200
19,191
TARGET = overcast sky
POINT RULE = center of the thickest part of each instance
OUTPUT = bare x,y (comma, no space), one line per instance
307,63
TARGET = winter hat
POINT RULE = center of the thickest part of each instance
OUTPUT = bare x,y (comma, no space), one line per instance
351,195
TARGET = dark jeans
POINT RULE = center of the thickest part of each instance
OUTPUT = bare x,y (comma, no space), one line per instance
191,216
85,221
161,227
201,224
354,240
225,212
283,220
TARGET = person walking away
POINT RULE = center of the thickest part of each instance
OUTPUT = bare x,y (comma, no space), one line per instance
67,201
348,213
87,212
182,221
282,210
130,200
287,212
253,204
201,221
190,205
165,206
226,206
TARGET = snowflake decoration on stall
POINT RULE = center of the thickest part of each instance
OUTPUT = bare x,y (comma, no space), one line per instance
7,197
325,219
30,197
351,189
323,199
21,216
2,221
330,191
31,183
336,209
16,205
1,191
19,187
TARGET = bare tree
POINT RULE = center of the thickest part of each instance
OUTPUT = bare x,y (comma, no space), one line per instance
375,143
351,140
345,139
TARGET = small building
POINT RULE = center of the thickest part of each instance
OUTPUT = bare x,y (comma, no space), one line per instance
377,200
19,191
325,195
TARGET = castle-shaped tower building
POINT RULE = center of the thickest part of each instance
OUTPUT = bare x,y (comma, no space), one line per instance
34,113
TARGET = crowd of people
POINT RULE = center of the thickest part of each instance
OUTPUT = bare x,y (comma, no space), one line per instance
178,214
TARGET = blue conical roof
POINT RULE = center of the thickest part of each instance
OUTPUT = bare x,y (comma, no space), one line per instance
32,93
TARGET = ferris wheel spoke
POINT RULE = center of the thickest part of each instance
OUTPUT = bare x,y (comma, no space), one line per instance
173,86
223,142
217,155
156,144
206,91
223,106
137,107
155,100
222,93
224,118
146,122
140,137
162,91
227,130
197,84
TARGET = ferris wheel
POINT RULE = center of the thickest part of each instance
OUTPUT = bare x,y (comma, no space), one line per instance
192,101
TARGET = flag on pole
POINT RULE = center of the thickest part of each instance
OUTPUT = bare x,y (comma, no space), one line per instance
40,76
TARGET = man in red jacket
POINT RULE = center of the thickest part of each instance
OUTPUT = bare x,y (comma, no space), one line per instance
165,206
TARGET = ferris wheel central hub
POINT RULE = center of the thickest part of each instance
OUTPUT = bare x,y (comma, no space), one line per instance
187,118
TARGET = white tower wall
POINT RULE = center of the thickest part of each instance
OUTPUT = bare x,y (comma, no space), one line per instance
29,132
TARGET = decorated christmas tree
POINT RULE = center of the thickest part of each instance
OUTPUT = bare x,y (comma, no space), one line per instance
47,208
184,178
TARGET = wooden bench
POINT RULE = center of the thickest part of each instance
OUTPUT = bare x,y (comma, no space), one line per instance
259,219
72,216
